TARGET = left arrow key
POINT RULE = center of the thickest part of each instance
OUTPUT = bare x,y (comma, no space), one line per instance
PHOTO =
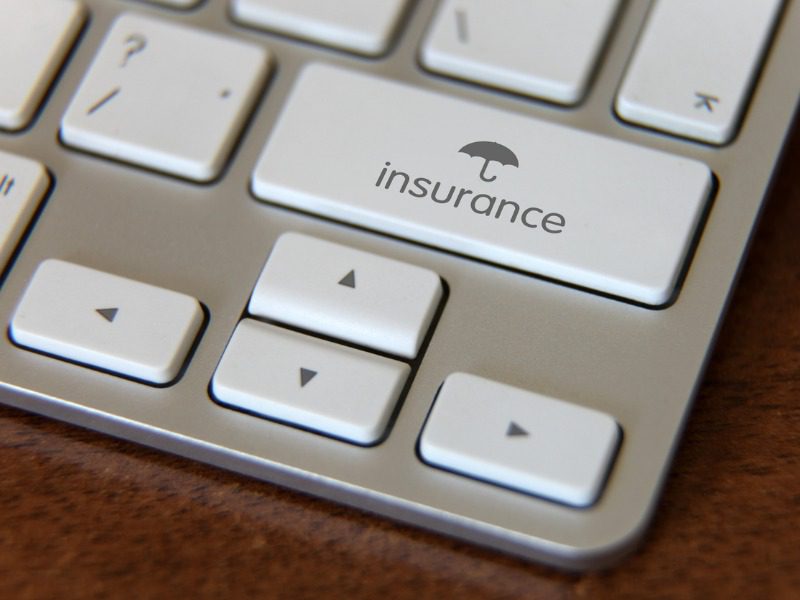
150,344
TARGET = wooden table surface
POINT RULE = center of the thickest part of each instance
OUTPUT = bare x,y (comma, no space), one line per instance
84,515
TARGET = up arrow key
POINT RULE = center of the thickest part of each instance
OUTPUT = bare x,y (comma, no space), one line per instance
347,294
109,314
515,430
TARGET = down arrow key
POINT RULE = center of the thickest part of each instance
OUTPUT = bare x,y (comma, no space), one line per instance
109,314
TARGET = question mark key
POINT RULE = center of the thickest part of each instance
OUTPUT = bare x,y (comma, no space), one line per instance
151,97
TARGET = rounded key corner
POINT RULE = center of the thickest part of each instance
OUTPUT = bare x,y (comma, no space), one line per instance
171,378
11,336
375,438
629,114
15,122
165,378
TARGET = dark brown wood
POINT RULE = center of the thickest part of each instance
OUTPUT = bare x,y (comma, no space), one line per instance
84,515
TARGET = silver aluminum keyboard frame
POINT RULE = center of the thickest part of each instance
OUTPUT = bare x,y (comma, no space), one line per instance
642,366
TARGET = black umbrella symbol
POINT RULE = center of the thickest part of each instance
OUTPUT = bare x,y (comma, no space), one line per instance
490,152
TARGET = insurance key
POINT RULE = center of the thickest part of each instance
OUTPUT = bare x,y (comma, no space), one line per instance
512,190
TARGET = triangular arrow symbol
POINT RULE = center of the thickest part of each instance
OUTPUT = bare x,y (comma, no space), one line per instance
515,430
107,313
306,375
349,280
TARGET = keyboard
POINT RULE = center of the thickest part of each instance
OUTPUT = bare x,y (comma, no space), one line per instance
458,263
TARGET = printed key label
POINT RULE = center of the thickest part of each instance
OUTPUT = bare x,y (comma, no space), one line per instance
6,183
495,157
134,44
705,101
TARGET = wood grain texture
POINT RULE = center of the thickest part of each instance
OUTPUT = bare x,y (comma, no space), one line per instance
84,515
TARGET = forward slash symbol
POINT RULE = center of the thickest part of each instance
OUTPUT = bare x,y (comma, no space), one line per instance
103,101
6,183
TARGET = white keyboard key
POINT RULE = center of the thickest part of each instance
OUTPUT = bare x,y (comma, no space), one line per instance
165,96
23,183
549,200
520,439
106,321
695,65
318,385
363,26
36,37
546,48
348,294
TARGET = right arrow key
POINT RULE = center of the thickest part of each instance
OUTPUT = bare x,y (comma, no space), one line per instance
563,451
